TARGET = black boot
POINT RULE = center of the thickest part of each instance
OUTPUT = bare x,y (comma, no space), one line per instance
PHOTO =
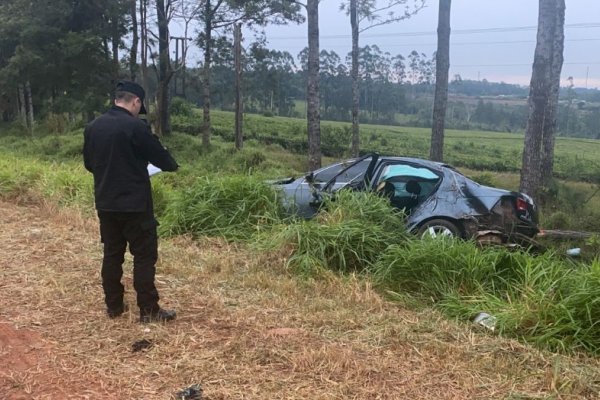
157,316
116,312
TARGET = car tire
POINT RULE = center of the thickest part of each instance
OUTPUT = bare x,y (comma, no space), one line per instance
436,228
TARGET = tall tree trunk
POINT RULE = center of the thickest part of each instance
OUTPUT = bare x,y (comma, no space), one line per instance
29,98
355,79
442,62
550,126
22,106
239,138
312,92
115,40
539,93
164,70
206,128
144,45
133,66
177,64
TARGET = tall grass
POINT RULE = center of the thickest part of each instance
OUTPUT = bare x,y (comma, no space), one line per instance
233,207
545,300
350,233
65,183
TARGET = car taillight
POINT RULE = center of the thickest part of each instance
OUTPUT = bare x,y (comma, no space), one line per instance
521,204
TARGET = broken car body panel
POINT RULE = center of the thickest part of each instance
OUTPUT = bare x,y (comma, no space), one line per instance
426,190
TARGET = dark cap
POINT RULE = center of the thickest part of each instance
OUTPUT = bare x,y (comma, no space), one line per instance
135,89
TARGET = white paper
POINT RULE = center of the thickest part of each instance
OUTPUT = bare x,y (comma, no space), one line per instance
153,170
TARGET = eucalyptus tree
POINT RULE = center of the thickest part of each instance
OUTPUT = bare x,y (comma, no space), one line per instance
164,70
54,56
543,94
135,40
313,103
166,12
117,15
442,65
313,116
271,83
551,126
370,14
218,15
375,69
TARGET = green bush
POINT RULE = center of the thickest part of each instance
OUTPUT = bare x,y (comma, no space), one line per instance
248,160
435,268
181,107
590,222
335,140
558,220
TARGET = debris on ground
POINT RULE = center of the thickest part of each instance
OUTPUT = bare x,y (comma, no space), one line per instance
193,392
486,320
141,345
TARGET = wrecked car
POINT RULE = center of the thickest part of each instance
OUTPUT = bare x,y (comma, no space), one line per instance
436,199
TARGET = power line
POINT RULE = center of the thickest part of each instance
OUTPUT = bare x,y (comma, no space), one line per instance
485,43
521,65
454,32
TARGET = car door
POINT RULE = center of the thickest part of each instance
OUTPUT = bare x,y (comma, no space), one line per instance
356,174
302,192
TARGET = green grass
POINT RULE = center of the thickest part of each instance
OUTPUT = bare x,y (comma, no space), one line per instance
546,300
349,234
232,207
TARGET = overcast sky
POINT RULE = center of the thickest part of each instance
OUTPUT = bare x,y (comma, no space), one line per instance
496,56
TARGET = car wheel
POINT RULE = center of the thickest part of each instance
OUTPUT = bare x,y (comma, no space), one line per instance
436,228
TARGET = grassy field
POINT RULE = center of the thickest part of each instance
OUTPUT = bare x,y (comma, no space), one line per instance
575,159
221,194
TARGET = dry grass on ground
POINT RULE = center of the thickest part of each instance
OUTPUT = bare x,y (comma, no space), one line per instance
247,329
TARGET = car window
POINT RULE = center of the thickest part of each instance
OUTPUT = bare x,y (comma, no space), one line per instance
404,180
327,173
394,170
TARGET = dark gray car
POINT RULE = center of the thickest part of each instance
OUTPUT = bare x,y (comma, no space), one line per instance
437,199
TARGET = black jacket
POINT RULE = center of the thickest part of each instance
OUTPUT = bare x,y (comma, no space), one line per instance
117,149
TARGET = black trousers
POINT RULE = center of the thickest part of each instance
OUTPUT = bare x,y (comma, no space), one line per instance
117,229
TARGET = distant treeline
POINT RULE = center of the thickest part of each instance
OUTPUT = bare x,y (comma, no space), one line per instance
395,90
62,58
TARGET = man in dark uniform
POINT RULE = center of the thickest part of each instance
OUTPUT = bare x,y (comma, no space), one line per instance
117,149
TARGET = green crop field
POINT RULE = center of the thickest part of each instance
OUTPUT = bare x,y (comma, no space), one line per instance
575,159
